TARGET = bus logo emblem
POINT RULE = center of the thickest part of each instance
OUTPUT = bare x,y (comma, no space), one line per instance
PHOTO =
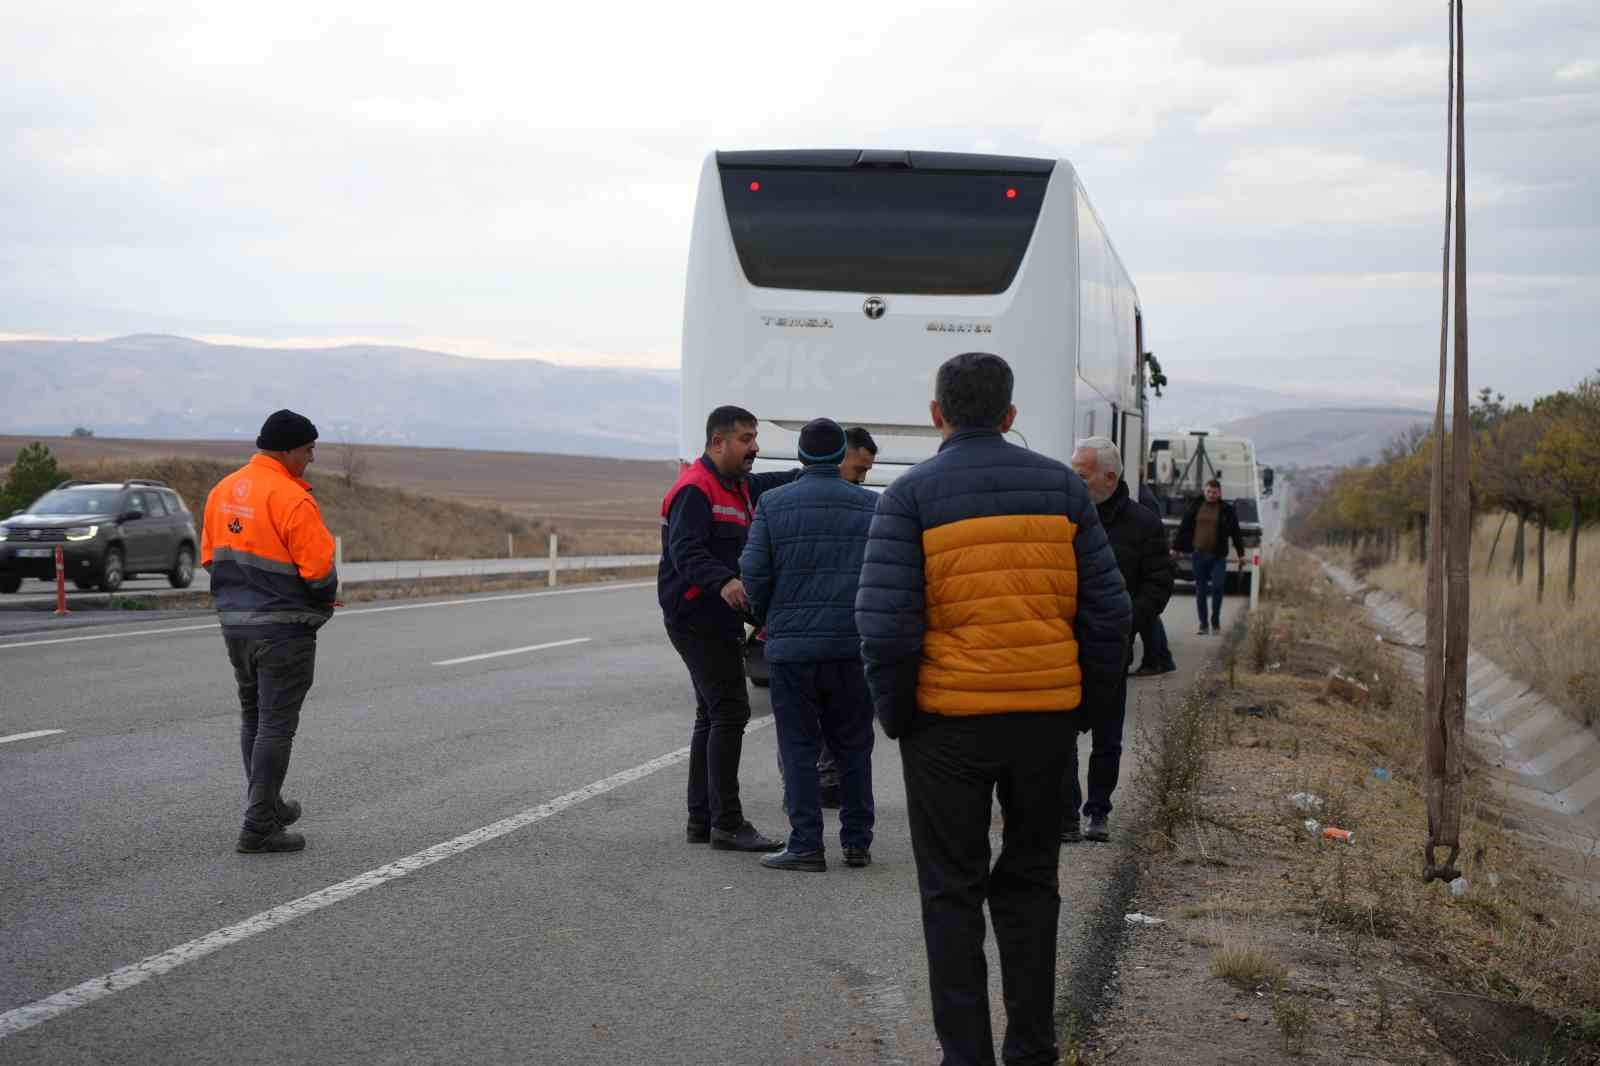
874,307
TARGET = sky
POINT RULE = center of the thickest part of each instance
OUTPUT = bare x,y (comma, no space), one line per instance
518,181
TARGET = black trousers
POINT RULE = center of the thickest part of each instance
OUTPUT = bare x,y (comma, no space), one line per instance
1102,718
274,675
721,711
954,767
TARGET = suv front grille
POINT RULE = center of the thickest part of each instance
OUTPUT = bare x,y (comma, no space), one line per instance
37,536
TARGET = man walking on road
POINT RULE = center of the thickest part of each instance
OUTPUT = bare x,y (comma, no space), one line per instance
1206,530
705,518
1139,541
273,579
990,608
801,569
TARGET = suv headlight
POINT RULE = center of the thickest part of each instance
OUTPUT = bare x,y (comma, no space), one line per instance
82,532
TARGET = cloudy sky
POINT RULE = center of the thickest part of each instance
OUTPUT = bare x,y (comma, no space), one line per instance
518,181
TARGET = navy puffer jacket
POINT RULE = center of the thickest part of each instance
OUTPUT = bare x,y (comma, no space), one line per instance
802,564
988,588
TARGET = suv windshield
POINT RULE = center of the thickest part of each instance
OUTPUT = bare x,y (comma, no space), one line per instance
78,501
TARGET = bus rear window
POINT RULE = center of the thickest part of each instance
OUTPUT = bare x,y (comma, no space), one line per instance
888,231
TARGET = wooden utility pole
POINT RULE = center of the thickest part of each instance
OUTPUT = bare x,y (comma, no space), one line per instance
1449,565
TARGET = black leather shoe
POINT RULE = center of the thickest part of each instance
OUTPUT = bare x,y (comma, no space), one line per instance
1071,833
1098,830
830,797
697,834
288,813
810,862
280,840
745,838
857,857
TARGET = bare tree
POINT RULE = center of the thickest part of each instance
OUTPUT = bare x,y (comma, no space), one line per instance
353,463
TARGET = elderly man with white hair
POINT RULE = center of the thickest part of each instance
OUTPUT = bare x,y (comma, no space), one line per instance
1139,541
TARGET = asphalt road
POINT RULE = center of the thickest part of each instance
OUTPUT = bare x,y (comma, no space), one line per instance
585,930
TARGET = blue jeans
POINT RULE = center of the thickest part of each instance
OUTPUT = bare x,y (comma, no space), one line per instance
812,702
1210,574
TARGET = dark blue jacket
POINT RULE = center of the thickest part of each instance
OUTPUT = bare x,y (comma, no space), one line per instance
988,587
802,564
700,550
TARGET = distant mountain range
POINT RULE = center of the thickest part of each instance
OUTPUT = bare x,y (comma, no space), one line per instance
152,385
159,386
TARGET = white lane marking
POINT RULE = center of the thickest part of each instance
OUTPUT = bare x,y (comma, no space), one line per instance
25,1017
32,735
344,612
512,651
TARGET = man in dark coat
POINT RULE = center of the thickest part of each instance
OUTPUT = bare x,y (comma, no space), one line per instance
990,609
1208,526
1157,656
1139,541
704,520
801,568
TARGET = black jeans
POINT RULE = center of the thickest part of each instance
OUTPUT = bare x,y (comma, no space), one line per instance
274,675
954,767
721,711
1157,652
1103,721
813,702
1210,576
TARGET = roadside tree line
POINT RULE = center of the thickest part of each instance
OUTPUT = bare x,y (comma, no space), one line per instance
1536,466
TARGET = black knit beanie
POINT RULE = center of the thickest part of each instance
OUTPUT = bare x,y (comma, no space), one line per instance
284,431
822,441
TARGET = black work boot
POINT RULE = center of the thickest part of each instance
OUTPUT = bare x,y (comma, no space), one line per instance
1098,829
288,812
1071,833
857,857
745,838
811,862
697,834
277,840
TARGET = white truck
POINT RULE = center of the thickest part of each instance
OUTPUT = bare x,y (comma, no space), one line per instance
1180,465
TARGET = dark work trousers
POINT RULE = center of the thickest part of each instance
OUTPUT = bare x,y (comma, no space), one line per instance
953,768
1102,718
1210,575
1157,652
274,675
721,711
813,702
827,766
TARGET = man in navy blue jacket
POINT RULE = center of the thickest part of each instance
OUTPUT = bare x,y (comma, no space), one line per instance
801,567
704,520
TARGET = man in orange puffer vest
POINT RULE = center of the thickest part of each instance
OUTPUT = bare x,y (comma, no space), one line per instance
271,562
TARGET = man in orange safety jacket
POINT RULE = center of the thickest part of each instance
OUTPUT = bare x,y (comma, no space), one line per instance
271,561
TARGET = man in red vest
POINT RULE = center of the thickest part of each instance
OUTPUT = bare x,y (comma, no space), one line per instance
704,521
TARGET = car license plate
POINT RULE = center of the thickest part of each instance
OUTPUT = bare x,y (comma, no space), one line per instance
35,553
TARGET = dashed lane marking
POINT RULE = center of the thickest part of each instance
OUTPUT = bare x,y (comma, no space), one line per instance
512,651
26,1017
345,612
30,736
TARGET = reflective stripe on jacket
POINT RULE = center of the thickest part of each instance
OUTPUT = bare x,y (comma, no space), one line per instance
269,554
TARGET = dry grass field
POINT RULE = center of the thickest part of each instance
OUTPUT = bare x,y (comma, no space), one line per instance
1550,645
599,506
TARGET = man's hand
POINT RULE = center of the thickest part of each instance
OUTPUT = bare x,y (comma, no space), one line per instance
734,596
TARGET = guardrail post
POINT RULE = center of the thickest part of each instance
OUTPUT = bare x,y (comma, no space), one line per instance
338,552
510,550
1255,581
61,581
552,560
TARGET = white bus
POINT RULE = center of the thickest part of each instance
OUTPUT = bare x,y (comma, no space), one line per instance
834,283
